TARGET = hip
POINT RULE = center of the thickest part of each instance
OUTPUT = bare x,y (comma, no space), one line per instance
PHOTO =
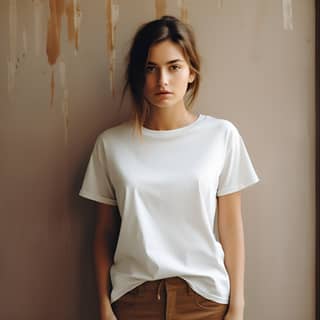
167,298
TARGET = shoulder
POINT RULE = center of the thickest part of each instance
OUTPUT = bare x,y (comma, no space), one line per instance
117,132
222,125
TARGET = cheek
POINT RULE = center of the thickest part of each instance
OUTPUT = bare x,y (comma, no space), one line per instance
183,77
147,85
150,81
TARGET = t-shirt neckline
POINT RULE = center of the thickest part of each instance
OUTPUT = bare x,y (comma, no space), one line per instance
170,132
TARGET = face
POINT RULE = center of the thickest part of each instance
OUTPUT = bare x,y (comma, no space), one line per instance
166,70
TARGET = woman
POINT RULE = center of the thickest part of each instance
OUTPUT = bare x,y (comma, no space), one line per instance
156,254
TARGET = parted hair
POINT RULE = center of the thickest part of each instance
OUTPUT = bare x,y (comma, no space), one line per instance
165,28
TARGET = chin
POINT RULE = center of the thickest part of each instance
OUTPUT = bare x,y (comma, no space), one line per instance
162,104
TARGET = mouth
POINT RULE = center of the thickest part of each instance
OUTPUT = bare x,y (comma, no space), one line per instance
163,93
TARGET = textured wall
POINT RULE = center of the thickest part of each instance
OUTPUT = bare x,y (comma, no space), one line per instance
61,72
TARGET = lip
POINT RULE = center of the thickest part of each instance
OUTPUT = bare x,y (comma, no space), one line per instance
163,93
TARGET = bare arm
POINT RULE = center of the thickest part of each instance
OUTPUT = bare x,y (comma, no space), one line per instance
104,244
232,239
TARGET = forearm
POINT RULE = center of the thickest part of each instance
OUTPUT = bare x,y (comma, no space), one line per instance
232,240
103,249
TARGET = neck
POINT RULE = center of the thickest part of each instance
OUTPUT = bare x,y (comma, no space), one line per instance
168,119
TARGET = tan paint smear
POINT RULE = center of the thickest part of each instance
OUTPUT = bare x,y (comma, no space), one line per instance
74,15
160,8
57,9
77,20
65,111
65,101
37,22
112,13
24,40
220,4
54,30
184,14
183,10
110,42
109,26
62,72
11,76
13,28
12,45
287,14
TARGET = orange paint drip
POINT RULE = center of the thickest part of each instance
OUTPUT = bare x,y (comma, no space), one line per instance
160,8
73,13
54,30
70,19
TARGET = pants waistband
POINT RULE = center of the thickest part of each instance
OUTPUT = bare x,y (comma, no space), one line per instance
172,283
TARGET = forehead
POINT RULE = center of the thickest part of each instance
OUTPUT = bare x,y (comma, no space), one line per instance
165,52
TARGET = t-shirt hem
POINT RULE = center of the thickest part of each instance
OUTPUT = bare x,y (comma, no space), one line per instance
206,295
211,296
97,198
237,188
123,292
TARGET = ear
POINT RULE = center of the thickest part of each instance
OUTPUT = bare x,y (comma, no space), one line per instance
191,77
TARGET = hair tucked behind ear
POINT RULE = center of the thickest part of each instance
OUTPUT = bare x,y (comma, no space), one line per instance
166,28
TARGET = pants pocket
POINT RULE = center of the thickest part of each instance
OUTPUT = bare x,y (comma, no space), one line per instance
207,304
130,297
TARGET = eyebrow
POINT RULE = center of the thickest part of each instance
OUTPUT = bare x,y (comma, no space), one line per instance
169,62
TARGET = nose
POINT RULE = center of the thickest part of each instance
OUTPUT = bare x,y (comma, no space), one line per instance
163,77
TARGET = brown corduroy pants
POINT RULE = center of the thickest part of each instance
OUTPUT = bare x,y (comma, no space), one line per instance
167,299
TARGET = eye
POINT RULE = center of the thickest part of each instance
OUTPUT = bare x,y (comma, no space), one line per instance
176,67
149,68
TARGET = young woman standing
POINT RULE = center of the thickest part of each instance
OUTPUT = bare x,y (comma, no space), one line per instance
159,178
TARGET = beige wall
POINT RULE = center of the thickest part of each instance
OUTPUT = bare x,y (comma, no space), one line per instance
255,73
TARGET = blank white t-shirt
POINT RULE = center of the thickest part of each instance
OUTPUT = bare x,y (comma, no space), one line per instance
165,185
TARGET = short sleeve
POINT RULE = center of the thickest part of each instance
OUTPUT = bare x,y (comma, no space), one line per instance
237,172
97,185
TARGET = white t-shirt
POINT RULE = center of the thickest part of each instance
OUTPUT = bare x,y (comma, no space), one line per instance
165,185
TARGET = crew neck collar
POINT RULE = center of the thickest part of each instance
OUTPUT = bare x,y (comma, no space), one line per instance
171,132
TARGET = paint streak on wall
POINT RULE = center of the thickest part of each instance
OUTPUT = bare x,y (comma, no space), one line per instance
183,10
77,21
74,16
12,45
70,18
37,18
56,8
52,87
54,30
287,14
65,101
24,41
160,8
112,13
220,4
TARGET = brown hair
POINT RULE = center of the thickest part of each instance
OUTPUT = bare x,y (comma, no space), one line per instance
148,34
